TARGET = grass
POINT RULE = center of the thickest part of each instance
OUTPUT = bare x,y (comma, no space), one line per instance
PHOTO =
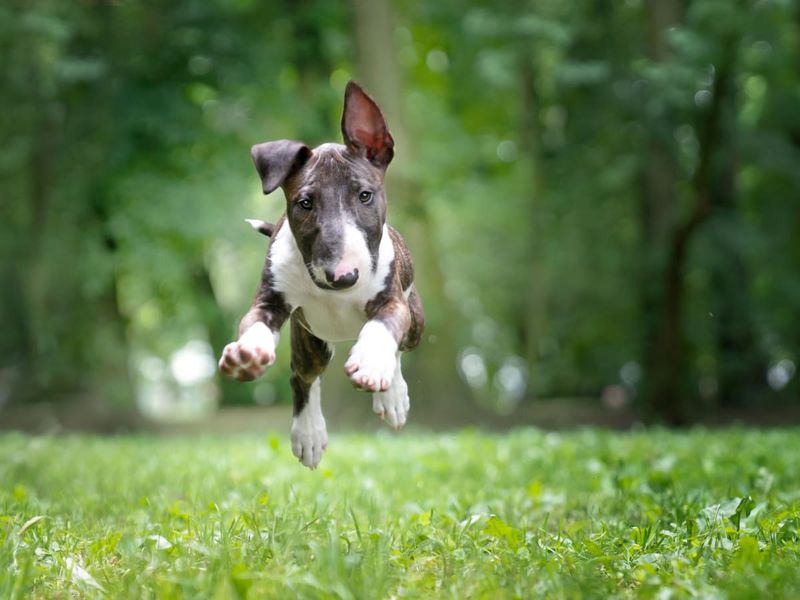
527,514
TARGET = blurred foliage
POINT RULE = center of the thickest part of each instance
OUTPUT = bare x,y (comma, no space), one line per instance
598,193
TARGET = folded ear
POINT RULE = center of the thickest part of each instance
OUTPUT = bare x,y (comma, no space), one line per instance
364,129
275,161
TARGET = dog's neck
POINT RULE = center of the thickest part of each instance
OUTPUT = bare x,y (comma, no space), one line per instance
332,315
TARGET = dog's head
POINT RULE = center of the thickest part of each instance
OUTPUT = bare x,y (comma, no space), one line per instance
335,199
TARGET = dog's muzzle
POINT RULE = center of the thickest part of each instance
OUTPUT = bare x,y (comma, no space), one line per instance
341,281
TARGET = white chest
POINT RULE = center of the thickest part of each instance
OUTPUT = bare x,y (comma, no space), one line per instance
333,316
333,321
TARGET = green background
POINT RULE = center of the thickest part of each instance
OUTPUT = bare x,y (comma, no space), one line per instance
601,197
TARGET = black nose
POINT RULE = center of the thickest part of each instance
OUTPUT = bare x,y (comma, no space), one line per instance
343,281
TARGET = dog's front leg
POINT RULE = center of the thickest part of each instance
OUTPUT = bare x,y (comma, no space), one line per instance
248,357
396,322
392,405
373,358
374,365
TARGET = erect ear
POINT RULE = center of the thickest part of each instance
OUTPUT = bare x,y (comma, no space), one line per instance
275,161
364,129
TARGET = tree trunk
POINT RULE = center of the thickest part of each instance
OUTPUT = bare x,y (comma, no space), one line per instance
433,365
741,363
43,153
658,283
535,316
666,367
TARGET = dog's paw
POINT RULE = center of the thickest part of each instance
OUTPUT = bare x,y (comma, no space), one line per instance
392,405
373,359
309,439
247,358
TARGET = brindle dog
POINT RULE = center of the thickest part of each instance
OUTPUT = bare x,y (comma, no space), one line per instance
336,270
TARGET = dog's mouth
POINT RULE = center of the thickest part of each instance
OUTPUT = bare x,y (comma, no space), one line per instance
337,287
324,282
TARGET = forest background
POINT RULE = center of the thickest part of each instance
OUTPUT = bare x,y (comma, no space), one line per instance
601,198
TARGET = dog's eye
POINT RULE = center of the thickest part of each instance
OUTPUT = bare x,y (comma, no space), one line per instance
365,196
305,203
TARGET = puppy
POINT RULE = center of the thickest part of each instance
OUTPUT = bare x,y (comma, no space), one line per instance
336,270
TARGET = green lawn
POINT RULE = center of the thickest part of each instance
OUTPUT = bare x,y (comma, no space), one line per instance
526,514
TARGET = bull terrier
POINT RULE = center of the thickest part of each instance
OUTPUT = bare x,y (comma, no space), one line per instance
336,270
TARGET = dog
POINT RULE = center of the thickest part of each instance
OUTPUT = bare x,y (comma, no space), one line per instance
336,270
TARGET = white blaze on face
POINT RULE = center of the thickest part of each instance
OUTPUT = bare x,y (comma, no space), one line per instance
355,253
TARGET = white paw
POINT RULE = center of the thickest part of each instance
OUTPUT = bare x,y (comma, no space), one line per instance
309,440
309,434
372,362
248,357
393,404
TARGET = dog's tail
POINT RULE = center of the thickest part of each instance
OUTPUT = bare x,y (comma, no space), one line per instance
262,226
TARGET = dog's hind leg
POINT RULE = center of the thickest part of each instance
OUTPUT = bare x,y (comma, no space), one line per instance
310,356
393,404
